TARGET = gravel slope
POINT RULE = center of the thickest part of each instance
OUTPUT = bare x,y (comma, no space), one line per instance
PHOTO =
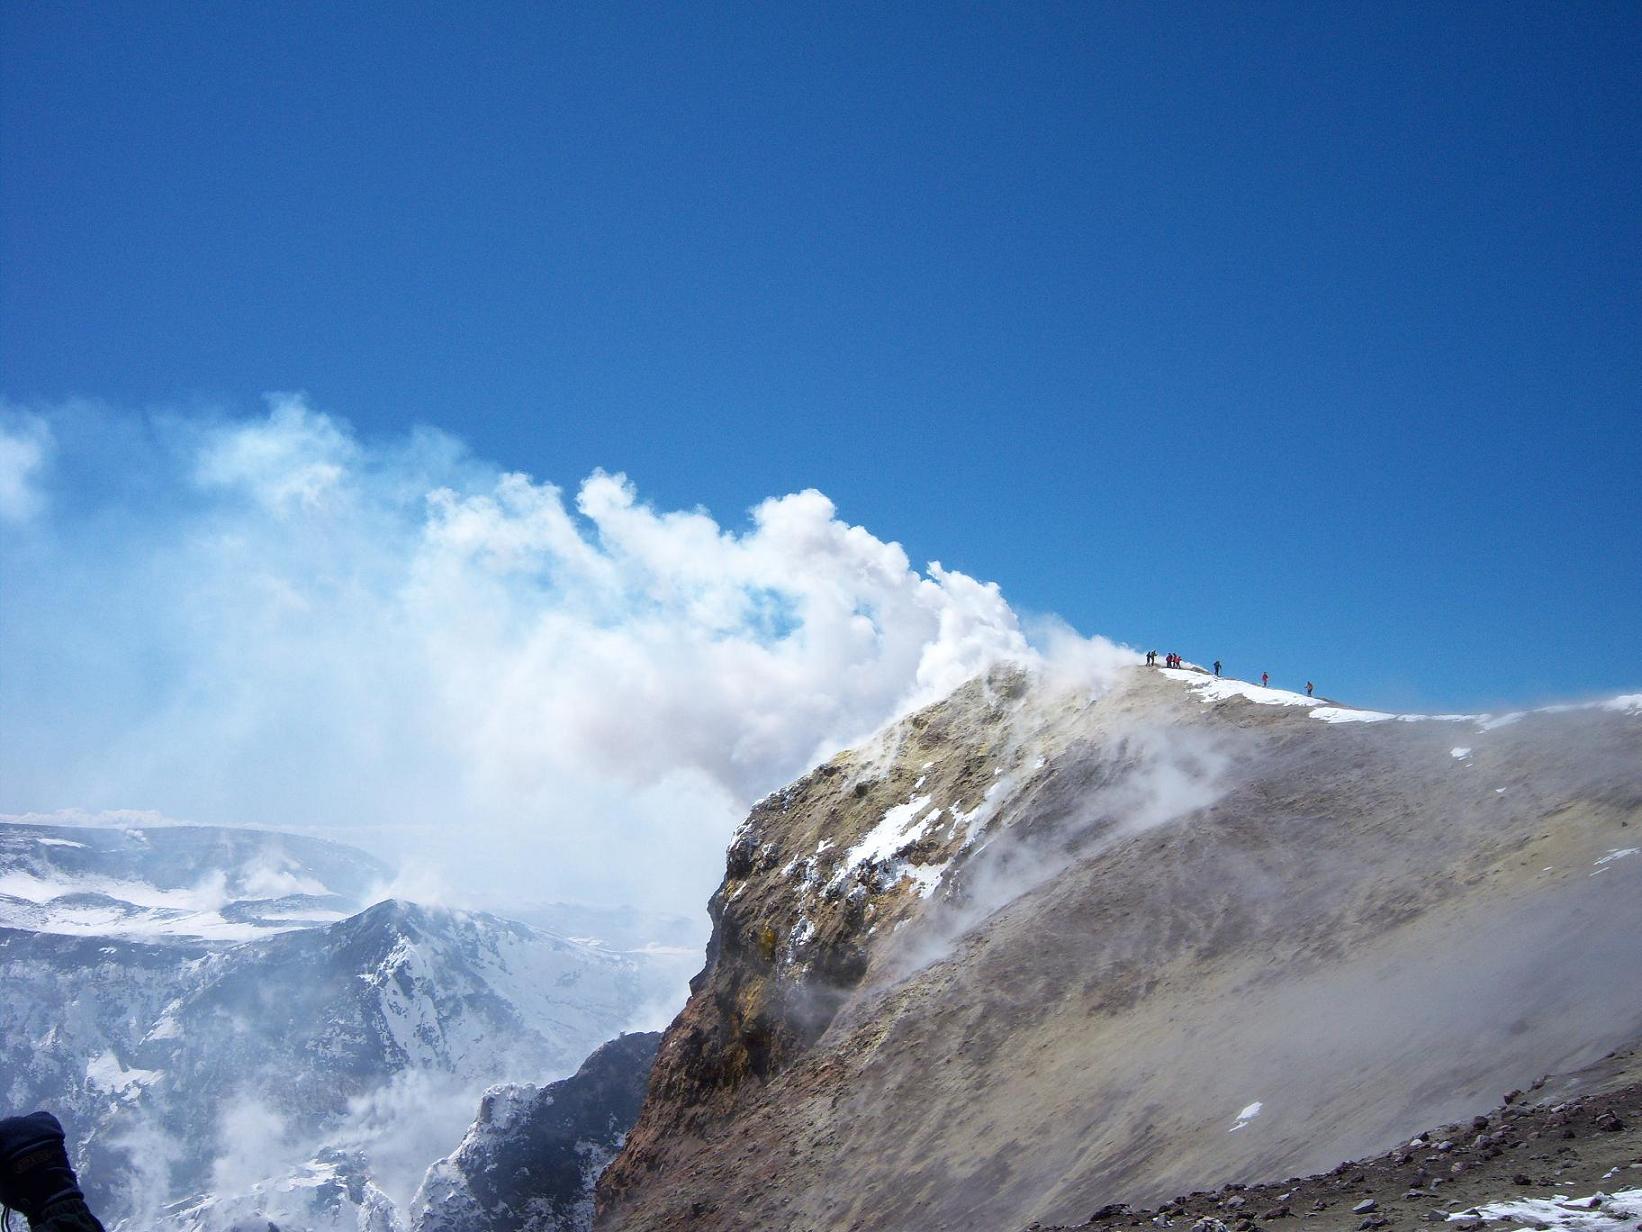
1087,933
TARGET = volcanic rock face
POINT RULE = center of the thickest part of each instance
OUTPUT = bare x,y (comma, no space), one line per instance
1042,948
530,1160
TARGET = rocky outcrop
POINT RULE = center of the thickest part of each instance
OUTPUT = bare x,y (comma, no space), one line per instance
532,1156
1040,948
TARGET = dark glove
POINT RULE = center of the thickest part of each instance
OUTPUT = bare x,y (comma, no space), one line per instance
34,1167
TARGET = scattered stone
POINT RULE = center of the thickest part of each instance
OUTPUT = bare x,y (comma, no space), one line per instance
1521,1178
1112,1210
1511,1096
1479,1122
1373,1221
1364,1207
1277,1212
1444,1146
1608,1122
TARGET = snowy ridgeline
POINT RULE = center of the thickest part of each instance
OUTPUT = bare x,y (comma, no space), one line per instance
1216,688
200,883
230,1034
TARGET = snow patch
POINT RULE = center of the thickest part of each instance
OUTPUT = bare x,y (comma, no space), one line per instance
1597,1213
1212,689
1244,1117
1341,714
900,827
105,1073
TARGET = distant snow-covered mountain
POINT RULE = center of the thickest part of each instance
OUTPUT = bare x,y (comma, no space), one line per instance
197,882
225,1028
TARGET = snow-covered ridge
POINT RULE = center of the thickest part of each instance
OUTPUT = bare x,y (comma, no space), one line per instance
331,1193
1212,689
175,883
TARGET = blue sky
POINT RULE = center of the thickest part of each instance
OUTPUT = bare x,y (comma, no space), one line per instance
1303,336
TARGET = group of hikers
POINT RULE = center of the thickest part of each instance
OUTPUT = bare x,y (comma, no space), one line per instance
1173,660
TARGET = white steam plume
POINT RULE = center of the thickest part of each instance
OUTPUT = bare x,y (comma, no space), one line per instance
273,621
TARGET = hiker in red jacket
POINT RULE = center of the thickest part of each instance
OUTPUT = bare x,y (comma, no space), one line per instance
1265,680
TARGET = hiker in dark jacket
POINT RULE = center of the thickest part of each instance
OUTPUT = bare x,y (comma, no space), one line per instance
1217,667
36,1178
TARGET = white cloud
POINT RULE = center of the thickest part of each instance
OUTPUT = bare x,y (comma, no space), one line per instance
295,459
396,644
25,448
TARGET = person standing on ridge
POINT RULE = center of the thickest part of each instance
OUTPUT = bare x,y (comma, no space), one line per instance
1265,680
1308,688
1217,667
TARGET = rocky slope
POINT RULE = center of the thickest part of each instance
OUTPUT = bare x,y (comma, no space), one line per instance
1044,947
1565,1153
529,1162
